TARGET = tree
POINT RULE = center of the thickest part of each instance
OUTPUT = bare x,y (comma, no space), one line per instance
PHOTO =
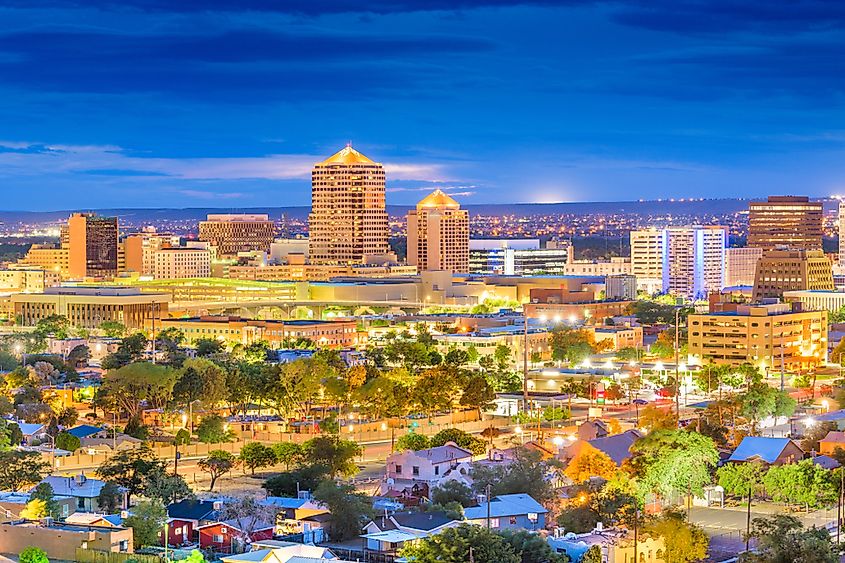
531,547
33,554
213,429
130,350
182,437
452,491
208,347
44,492
287,453
289,483
435,390
783,538
525,474
571,345
590,463
256,455
457,357
738,478
592,555
166,487
129,468
673,461
461,438
53,325
139,382
108,501
216,464
248,515
147,521
78,356
349,510
113,329
334,453
19,468
653,418
761,401
412,441
683,542
453,545
202,380
35,509
67,441
478,393
803,483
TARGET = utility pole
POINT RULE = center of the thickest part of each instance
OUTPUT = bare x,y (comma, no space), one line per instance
677,358
839,504
487,492
154,332
525,360
748,518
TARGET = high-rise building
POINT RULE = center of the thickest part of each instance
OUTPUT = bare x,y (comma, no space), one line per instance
139,249
740,265
348,220
792,221
791,270
647,248
438,234
841,222
515,257
233,233
92,245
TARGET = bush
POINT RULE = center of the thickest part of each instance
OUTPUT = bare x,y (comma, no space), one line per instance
288,483
411,441
212,430
67,441
182,438
461,438
33,554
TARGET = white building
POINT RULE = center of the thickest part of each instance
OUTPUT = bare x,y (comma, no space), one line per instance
841,222
647,248
178,263
516,257
740,264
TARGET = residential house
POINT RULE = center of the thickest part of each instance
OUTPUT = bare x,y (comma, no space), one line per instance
85,490
235,535
617,546
273,551
11,504
592,429
389,533
91,519
831,442
771,451
300,516
185,517
85,430
617,447
33,433
508,512
60,540
425,466
99,444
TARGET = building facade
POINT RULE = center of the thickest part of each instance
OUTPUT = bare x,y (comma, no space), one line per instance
177,263
620,286
792,221
740,265
233,233
52,257
761,335
92,246
28,280
238,330
139,250
647,248
438,234
792,270
348,219
515,257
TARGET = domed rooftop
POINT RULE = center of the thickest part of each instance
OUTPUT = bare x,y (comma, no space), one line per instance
438,198
347,155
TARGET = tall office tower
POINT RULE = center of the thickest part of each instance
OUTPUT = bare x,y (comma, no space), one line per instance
139,249
841,222
792,221
233,233
438,234
92,245
348,220
792,270
740,264
693,263
647,247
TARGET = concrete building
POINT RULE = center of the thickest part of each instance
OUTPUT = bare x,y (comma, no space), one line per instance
52,257
760,334
178,263
647,249
816,300
281,250
438,234
238,330
89,307
233,233
841,229
485,341
740,265
60,541
348,219
301,271
28,280
620,286
792,221
617,337
139,250
792,270
92,246
515,257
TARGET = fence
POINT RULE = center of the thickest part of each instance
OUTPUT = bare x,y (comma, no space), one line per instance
97,556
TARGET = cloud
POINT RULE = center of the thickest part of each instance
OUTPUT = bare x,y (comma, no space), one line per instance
199,194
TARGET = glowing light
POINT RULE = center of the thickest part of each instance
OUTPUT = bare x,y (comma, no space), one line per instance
518,429
682,366
557,441
383,426
586,363
632,363
608,364
573,319
658,366
825,405
542,318
557,318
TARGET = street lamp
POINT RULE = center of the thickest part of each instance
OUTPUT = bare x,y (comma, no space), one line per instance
518,431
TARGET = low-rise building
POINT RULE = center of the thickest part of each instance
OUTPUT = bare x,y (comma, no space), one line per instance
486,340
181,263
615,338
768,450
61,541
85,490
425,466
508,512
616,545
389,534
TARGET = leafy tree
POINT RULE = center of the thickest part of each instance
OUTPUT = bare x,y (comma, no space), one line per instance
460,438
287,453
452,491
334,453
182,437
653,418
457,357
208,347
168,341
44,492
435,390
139,382
525,474
531,547
453,545
147,521
412,441
592,555
590,463
35,509
478,393
20,468
761,401
212,430
113,329
288,483
782,538
256,455
78,356
348,508
108,500
571,345
386,395
53,325
129,468
200,379
33,554
15,434
166,487
803,483
673,461
815,433
683,542
216,464
738,478
67,441
130,350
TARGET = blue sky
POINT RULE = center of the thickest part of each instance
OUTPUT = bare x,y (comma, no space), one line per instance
137,103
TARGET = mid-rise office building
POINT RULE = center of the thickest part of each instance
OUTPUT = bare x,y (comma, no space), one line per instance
139,250
515,257
764,335
792,270
647,248
791,221
438,234
176,263
27,280
92,246
233,233
841,223
740,265
52,257
621,286
348,219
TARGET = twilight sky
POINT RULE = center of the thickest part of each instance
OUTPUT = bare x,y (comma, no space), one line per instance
192,103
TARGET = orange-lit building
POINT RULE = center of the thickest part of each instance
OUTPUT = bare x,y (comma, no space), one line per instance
233,233
92,246
438,234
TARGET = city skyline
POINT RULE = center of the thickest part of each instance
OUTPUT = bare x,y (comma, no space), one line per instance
221,107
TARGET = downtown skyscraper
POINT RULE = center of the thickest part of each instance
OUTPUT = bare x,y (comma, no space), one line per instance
438,234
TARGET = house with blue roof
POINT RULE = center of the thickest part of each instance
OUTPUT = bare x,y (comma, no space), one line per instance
771,451
84,430
509,512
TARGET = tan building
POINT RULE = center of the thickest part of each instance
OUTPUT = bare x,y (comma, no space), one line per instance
52,257
760,335
89,307
792,221
28,280
791,270
647,247
316,272
486,340
61,541
816,300
139,250
348,219
233,233
178,263
237,330
92,245
740,265
617,337
438,234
